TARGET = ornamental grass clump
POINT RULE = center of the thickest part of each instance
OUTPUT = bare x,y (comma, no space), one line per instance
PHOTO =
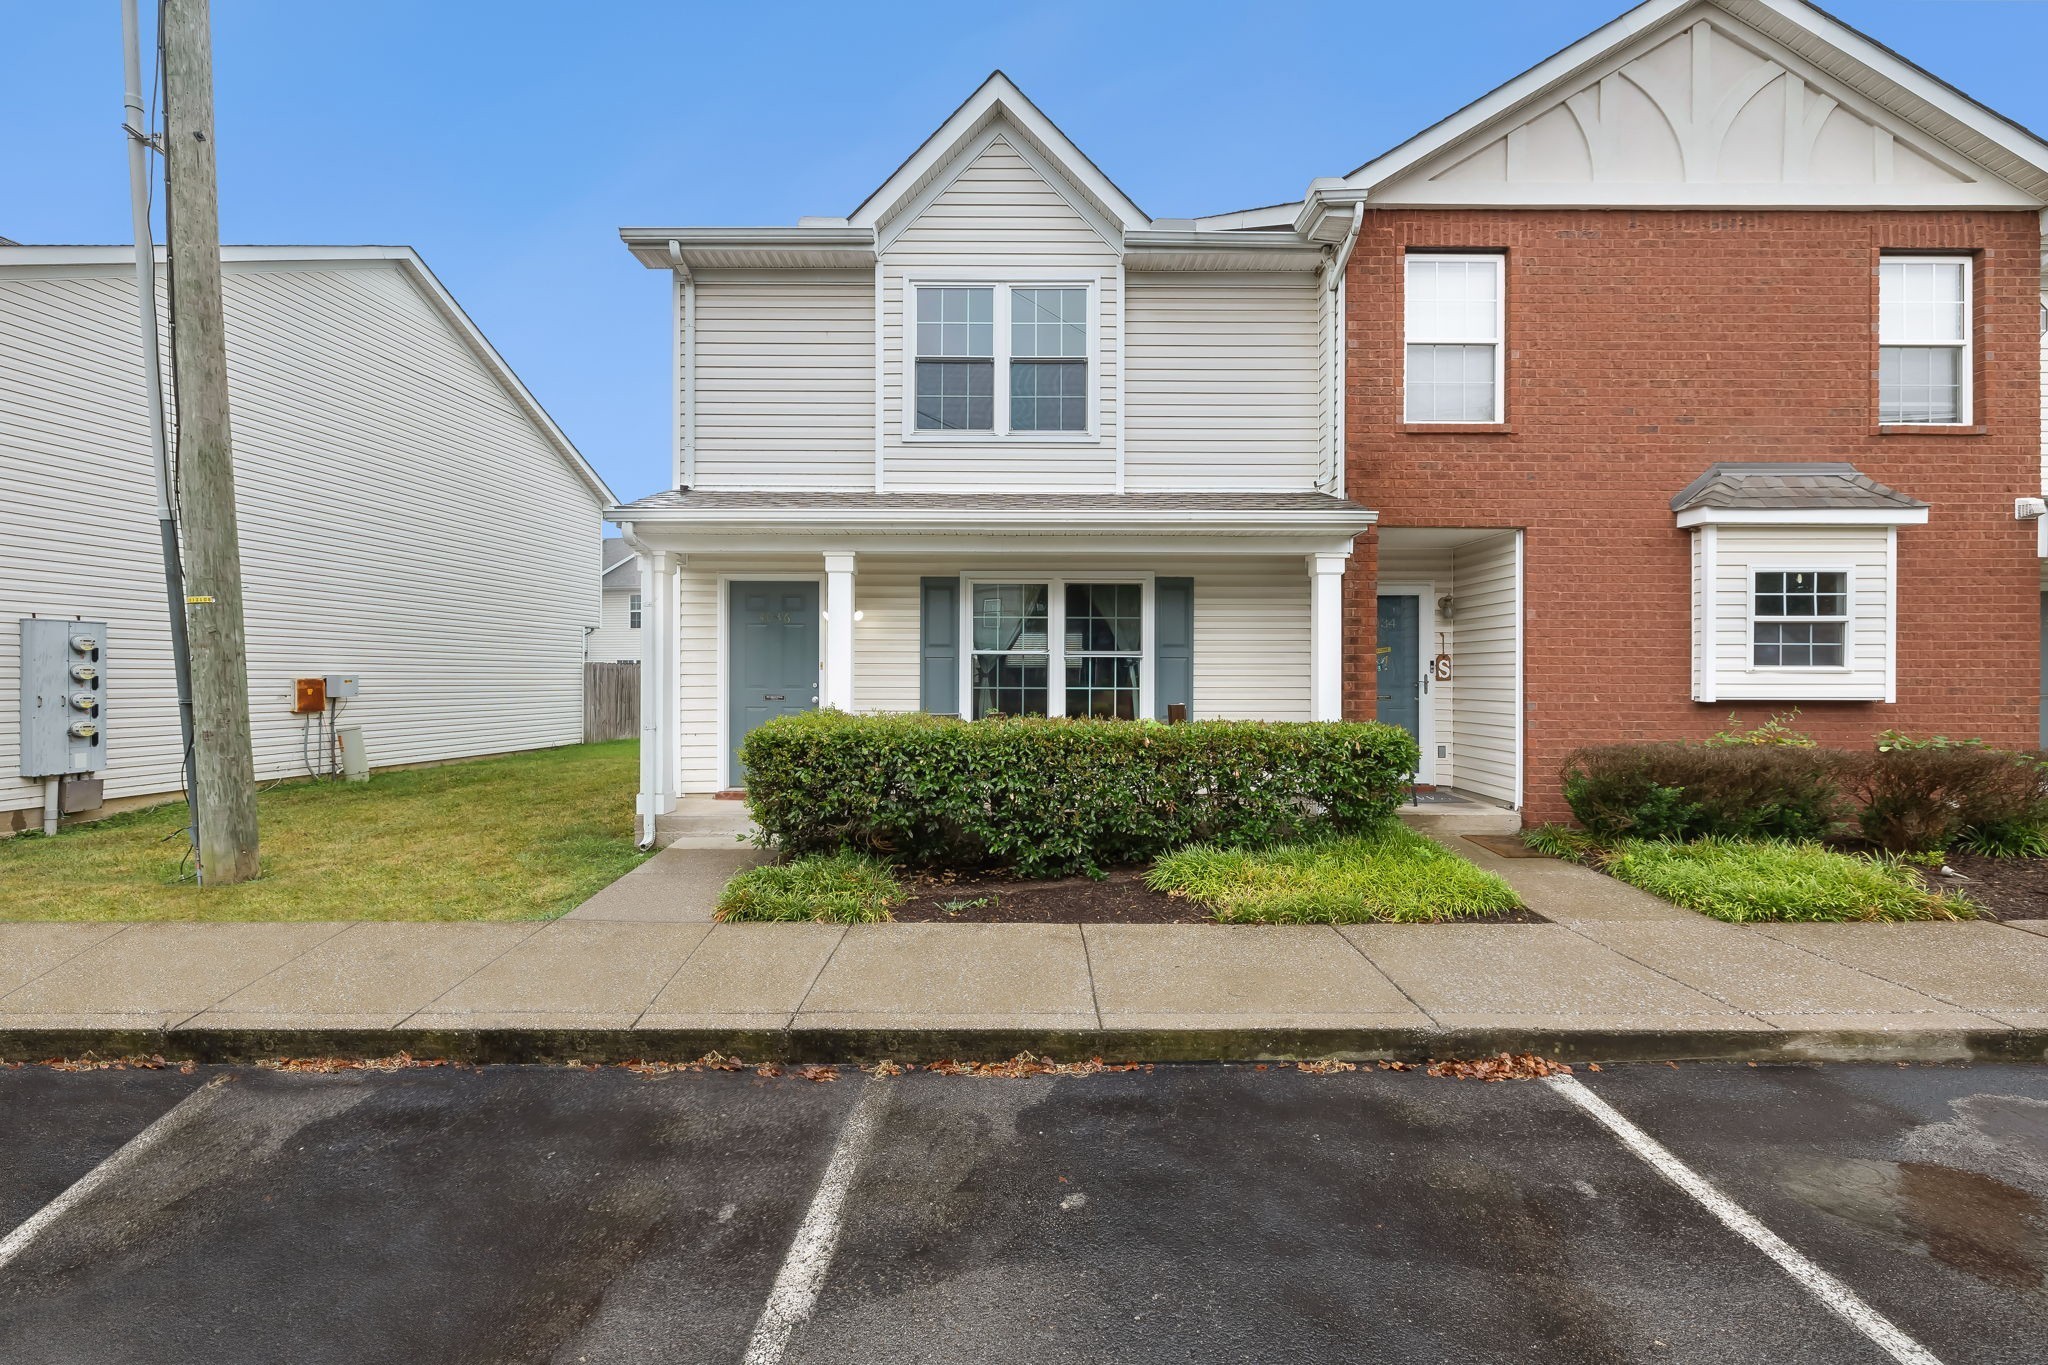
1742,880
1386,874
840,888
1050,798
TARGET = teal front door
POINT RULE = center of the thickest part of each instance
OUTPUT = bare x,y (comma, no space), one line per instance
1400,662
773,632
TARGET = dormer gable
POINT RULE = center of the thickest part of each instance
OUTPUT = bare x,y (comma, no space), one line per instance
994,133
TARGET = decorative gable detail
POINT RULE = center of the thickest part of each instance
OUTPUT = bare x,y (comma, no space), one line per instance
1712,113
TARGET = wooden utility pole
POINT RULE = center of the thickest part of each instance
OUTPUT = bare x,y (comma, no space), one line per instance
224,767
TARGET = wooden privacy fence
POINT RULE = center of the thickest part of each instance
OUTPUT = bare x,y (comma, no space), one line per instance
611,702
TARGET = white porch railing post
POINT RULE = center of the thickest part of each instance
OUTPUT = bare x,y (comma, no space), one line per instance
838,689
1326,636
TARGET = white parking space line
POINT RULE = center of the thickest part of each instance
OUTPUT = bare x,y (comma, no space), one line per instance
810,1252
178,1117
1837,1297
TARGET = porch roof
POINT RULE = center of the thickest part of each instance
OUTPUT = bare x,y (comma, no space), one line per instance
1150,514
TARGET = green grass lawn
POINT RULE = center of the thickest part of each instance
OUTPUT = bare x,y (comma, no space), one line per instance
1391,874
523,837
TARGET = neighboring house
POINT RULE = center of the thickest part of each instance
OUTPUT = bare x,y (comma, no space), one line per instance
409,514
616,640
1695,371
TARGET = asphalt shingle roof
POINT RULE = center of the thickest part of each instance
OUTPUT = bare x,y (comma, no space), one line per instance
1788,486
686,499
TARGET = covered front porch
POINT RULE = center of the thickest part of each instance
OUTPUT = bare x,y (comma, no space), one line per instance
1170,607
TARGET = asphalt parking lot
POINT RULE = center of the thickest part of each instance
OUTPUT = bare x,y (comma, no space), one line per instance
516,1214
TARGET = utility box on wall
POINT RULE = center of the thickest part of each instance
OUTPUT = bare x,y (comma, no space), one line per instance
63,697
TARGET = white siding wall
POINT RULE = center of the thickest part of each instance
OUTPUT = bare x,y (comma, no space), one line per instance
1486,664
1251,635
999,220
401,518
1741,551
785,380
615,640
1223,389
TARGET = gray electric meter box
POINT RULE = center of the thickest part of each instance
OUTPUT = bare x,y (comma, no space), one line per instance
63,697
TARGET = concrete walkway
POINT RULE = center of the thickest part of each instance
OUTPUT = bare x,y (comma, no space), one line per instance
1619,987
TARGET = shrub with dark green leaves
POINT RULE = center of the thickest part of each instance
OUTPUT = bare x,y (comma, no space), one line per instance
1691,791
1927,794
1052,797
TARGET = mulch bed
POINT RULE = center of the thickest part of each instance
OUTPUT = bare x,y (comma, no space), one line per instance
1119,898
2003,888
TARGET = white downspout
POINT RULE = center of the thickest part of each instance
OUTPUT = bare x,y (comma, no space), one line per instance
683,298
1337,349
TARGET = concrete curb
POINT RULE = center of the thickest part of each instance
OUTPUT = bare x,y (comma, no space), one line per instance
543,1045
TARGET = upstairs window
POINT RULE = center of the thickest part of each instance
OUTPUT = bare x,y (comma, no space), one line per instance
1029,343
1800,619
633,612
1923,358
1455,329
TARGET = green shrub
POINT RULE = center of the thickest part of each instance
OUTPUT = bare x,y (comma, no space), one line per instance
1052,797
1779,790
840,888
1740,880
1388,873
1777,730
1924,795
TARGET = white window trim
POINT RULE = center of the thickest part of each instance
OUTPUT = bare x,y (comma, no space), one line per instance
1499,341
1003,286
635,611
1056,633
1966,404
1847,620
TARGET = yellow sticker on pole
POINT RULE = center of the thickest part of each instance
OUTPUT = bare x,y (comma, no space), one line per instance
198,601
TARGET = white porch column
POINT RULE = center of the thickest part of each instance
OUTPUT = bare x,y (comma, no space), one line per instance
658,738
1326,636
838,689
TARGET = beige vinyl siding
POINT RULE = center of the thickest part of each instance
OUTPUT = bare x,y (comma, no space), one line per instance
401,518
1484,735
785,380
1223,384
1251,639
615,640
1741,551
996,218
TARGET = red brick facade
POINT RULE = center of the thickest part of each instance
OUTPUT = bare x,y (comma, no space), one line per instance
1644,346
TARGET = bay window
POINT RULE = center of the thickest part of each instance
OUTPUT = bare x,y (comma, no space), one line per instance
1923,356
1799,619
1028,342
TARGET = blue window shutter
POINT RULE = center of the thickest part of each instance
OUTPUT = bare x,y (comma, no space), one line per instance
938,686
1173,640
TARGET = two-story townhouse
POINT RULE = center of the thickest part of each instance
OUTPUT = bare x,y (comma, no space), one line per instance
1726,321
996,441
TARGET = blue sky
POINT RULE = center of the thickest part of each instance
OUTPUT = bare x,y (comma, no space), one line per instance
508,141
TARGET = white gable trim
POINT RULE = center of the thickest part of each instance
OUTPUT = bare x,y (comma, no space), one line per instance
896,224
1802,516
998,97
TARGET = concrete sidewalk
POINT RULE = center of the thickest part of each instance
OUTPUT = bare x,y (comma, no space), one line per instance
1618,988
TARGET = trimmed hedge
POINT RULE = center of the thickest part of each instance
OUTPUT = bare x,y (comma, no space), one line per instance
1054,797
1905,796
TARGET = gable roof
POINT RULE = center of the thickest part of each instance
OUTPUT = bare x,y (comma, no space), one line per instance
996,99
1951,121
408,263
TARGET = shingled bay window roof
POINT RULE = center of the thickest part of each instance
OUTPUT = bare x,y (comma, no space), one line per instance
1770,487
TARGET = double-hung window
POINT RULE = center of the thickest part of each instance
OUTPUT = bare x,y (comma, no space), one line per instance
1800,619
1056,648
633,612
1455,325
1029,343
1923,326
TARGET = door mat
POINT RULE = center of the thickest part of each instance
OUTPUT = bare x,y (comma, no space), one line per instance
1506,845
